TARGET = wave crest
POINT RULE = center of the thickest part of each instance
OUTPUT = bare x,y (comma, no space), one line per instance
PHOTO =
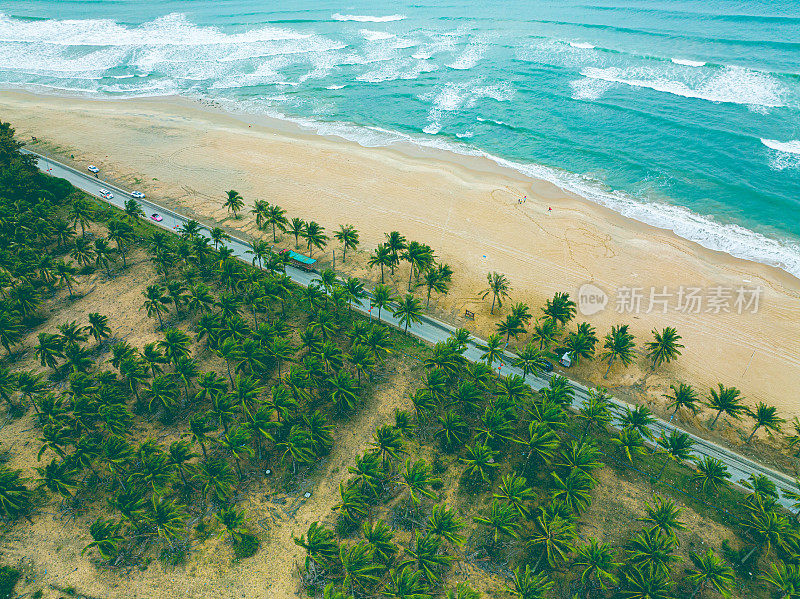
367,18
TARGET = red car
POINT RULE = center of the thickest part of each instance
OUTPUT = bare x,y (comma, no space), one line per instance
156,217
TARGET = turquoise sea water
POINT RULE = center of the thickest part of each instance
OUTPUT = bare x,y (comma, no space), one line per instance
683,114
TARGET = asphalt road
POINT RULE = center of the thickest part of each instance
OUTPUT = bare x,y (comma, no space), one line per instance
429,330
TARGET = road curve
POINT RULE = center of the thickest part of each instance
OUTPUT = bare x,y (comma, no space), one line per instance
429,329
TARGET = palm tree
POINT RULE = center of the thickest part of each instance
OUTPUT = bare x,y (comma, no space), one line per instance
544,333
180,452
541,442
260,208
785,578
618,346
630,443
234,202
445,523
133,209
217,477
514,491
320,545
315,236
199,427
710,569
494,350
382,297
498,289
218,236
80,213
725,399
276,216
82,252
408,311
511,326
396,244
639,419
417,478
765,417
107,537
348,237
453,431
525,584
552,537
360,570
259,249
49,349
664,348
595,410
596,563
102,254
560,309
502,519
530,360
296,227
419,256
163,392
579,345
663,515
122,234
682,396
406,583
167,518
58,477
710,474
645,583
651,549
98,326
427,556
66,274
382,257
676,447
156,302
480,463
237,442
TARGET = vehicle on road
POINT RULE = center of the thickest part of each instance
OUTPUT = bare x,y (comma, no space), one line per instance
105,194
93,169
566,360
547,365
137,194
156,217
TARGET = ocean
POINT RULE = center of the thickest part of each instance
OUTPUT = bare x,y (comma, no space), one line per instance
682,114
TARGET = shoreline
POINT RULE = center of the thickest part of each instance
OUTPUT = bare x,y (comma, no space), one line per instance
464,207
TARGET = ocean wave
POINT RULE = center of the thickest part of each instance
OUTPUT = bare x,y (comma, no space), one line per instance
469,57
367,18
787,147
334,87
374,36
735,85
582,45
688,63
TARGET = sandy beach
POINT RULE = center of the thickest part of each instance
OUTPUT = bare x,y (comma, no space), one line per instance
186,156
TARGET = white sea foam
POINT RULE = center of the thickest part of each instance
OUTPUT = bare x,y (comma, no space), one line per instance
735,85
334,87
469,57
787,147
367,18
688,63
582,45
589,89
374,36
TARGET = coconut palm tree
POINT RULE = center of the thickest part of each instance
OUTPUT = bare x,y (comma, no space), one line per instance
682,396
580,346
359,568
530,360
765,417
348,237
408,311
710,474
651,549
163,393
82,252
453,431
511,326
133,210
180,452
58,477
406,583
493,350
639,419
417,478
388,443
663,515
501,519
233,202
420,257
381,257
259,210
676,447
544,333
480,463
81,213
320,545
595,411
49,349
103,255
237,442
156,302
645,583
525,584
218,236
276,217
630,443
540,442
216,477
296,227
396,244
595,560
426,554
560,309
552,538
785,578
107,537
514,491
315,236
727,400
664,348
382,297
710,569
66,275
259,250
122,234
445,523
98,326
176,344
498,289
618,346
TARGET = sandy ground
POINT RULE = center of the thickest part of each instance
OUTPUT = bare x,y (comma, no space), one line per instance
187,156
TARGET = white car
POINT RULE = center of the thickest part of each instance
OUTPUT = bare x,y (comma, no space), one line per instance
105,194
93,169
137,194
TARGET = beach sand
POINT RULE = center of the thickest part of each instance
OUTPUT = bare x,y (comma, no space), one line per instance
186,156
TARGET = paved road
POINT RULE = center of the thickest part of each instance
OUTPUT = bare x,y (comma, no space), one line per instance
429,329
